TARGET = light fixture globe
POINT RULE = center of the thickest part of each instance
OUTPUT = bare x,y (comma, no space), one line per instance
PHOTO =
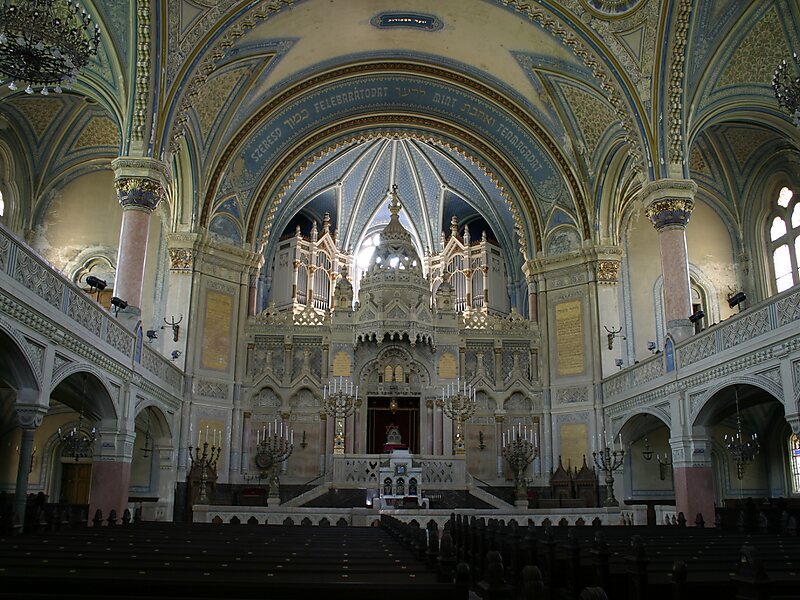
45,43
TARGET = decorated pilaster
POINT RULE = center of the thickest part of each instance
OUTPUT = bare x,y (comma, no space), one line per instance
141,184
30,415
669,204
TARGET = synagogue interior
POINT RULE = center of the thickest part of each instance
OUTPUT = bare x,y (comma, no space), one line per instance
337,259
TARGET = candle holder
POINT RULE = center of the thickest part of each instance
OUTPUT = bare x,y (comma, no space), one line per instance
608,461
519,449
271,452
340,400
206,460
459,404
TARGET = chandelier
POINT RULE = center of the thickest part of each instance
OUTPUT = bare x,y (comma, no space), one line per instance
742,446
786,85
79,441
45,43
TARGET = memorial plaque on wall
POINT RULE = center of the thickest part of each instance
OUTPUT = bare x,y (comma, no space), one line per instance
572,444
569,338
216,331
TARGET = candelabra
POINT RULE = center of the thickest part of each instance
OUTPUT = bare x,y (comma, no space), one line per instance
205,461
743,447
273,448
786,86
663,465
458,402
520,447
340,400
609,460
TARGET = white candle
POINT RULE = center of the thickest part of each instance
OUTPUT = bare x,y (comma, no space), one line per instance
258,437
206,433
291,438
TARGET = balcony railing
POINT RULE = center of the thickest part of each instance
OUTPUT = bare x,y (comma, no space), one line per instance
32,281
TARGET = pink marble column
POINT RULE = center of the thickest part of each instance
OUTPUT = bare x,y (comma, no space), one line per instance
694,492
109,487
140,185
669,206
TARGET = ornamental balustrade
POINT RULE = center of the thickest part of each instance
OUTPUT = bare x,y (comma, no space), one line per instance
360,470
36,296
751,343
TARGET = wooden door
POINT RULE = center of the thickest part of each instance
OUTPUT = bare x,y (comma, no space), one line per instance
76,479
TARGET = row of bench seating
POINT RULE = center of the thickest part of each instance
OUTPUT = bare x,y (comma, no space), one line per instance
199,561
634,562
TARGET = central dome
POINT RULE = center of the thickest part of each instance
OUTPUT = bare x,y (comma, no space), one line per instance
396,249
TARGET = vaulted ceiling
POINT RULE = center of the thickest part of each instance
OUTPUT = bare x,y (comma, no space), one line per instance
555,111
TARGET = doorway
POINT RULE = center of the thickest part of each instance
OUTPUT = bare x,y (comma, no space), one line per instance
381,415
76,479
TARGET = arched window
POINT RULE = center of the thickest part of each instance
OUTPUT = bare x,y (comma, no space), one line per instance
794,462
784,240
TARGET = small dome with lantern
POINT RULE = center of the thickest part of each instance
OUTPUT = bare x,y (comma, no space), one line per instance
396,250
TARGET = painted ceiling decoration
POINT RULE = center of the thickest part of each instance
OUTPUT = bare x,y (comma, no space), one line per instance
522,122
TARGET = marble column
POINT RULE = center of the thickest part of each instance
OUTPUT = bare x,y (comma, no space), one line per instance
669,204
30,417
323,441
499,418
141,184
429,447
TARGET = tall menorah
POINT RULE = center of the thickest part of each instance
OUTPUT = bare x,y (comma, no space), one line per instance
340,400
609,460
520,447
205,461
458,402
273,448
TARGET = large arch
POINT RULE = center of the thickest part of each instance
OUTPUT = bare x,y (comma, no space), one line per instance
323,110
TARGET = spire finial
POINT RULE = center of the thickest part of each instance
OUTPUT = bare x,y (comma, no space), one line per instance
394,203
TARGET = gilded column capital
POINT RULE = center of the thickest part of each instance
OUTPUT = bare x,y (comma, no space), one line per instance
669,202
181,259
140,182
608,271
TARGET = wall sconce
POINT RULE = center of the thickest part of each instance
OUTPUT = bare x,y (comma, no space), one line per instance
736,300
33,458
647,453
618,362
613,333
176,354
481,443
118,304
151,334
700,314
663,465
175,327
651,346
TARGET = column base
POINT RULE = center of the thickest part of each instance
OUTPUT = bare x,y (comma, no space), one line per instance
694,493
109,487
680,329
